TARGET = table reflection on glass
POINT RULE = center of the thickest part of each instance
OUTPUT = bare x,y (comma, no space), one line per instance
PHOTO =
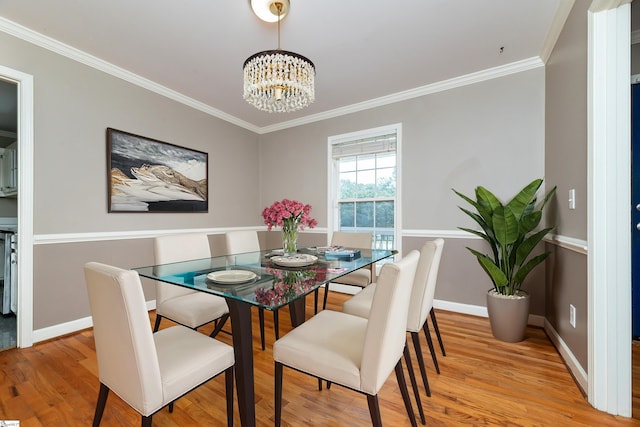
264,279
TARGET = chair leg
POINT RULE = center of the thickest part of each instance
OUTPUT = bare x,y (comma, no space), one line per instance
278,394
415,337
157,324
219,325
171,408
326,294
432,350
261,318
146,421
374,410
405,393
228,379
276,324
435,327
414,384
102,401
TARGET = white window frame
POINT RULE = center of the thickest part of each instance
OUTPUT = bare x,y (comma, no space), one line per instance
332,178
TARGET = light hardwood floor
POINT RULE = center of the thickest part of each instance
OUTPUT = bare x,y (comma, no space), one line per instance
483,383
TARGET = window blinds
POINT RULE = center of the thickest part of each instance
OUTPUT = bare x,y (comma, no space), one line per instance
377,144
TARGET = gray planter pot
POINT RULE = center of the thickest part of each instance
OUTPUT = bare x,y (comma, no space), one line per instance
508,315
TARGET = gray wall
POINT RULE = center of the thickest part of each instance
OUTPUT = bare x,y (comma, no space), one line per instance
566,167
489,133
74,104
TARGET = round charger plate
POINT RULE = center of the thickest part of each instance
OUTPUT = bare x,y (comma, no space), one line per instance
298,260
230,277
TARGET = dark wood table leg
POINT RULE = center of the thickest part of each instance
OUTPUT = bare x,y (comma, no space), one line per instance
243,350
297,311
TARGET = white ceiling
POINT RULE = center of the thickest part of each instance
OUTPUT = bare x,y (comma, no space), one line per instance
363,49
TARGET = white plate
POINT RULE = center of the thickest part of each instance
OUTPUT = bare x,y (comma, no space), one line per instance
299,260
228,277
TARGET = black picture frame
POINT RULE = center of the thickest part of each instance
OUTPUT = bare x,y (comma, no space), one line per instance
147,175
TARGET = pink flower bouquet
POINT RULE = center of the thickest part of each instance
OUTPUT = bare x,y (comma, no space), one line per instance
288,213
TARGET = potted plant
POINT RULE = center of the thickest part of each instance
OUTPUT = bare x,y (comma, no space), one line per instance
512,233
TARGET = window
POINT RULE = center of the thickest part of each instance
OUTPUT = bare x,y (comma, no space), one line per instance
364,184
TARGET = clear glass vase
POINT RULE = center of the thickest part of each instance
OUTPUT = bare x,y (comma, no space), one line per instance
290,238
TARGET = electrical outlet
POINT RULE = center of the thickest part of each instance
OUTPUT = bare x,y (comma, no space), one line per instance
572,315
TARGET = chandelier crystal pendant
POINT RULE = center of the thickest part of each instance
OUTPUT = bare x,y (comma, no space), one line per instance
277,80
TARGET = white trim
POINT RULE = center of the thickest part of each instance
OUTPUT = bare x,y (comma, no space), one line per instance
480,311
63,49
576,245
46,239
609,263
70,52
73,326
456,82
87,322
445,234
332,203
569,359
53,239
560,18
25,204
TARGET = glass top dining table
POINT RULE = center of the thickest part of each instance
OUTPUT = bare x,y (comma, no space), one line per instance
264,279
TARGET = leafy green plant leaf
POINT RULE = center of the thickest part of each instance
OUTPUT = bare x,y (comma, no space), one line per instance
505,225
511,233
495,273
526,269
524,197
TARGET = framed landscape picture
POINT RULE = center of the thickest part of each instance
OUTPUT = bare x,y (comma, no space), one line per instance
146,175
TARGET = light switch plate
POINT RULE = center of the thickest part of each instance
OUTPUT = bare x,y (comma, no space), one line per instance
572,198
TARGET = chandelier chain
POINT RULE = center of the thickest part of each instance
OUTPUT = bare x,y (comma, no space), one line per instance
279,6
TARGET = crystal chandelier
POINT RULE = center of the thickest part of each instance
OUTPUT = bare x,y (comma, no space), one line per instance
277,80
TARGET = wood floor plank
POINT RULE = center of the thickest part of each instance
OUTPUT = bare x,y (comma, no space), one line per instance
483,382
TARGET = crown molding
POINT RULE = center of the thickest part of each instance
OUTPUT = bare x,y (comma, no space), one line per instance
560,18
63,49
456,82
70,52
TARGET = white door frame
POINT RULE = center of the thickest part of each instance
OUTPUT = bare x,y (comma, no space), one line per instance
25,203
609,172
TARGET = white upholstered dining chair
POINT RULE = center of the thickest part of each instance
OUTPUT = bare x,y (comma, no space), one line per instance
247,242
361,277
422,294
352,351
185,306
147,370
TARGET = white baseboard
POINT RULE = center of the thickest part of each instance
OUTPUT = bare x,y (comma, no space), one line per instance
61,329
569,359
478,310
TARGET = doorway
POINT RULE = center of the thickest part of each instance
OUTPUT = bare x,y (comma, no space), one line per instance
25,164
8,213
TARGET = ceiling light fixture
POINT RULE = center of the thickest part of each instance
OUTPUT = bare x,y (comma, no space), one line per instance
277,80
